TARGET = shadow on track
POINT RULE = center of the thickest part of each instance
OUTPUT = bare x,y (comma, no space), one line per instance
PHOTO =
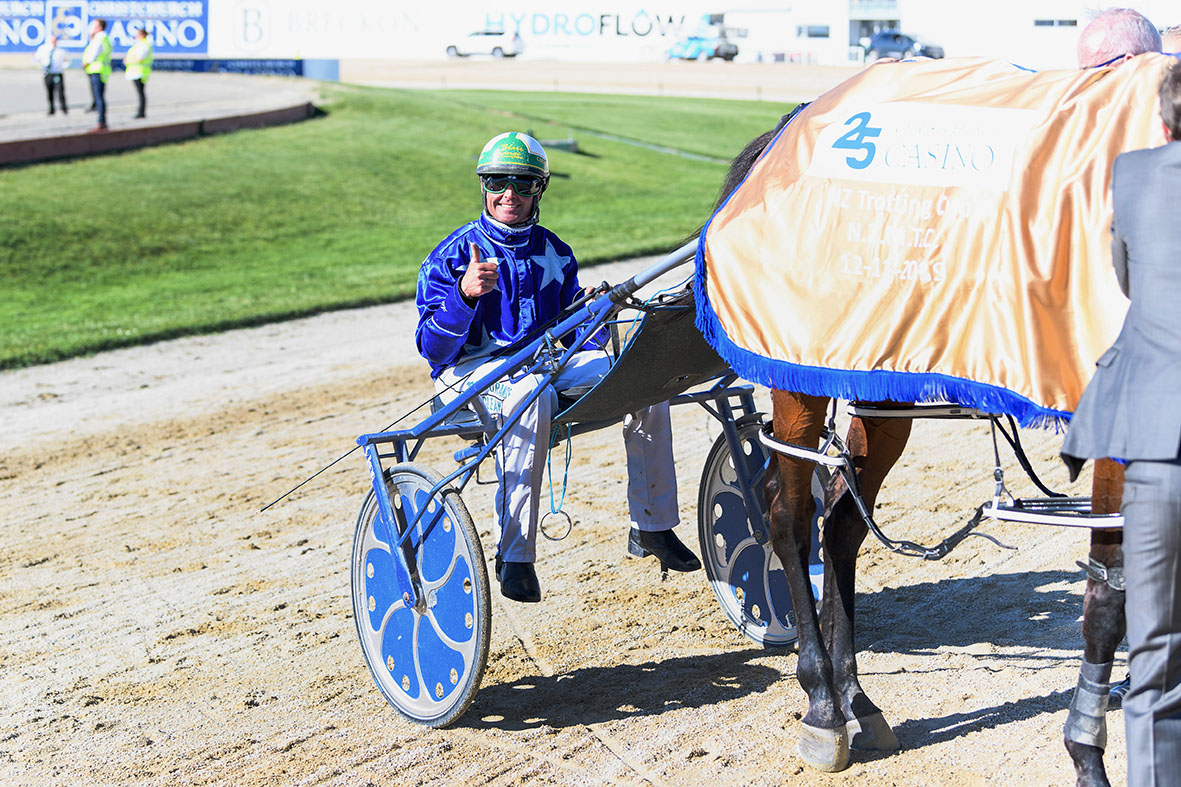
917,619
598,694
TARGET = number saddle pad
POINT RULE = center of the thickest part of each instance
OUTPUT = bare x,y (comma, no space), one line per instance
932,230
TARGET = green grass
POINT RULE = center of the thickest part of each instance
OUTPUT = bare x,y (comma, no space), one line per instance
717,128
339,211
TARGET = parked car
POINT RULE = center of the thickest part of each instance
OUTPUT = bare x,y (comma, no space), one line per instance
715,45
496,43
891,43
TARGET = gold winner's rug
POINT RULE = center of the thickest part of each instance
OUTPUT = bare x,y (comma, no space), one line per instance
932,230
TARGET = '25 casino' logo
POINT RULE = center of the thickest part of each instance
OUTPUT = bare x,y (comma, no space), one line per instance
923,144
856,140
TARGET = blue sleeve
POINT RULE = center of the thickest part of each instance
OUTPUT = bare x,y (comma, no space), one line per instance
572,291
570,288
444,317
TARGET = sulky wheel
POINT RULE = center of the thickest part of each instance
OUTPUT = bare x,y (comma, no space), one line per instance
746,575
427,659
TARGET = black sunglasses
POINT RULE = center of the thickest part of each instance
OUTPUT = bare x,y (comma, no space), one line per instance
525,187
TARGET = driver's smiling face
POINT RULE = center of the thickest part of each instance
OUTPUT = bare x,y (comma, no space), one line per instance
509,207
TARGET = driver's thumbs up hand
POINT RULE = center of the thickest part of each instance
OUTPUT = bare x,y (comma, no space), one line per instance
480,276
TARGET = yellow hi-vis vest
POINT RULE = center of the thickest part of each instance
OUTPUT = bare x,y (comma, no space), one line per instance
96,58
138,60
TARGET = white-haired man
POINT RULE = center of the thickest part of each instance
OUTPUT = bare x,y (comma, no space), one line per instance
1115,35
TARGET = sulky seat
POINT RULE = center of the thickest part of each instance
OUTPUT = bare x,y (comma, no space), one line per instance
666,355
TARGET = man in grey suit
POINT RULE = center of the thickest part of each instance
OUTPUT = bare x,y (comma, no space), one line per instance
1131,410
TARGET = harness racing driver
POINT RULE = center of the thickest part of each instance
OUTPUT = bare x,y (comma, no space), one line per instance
495,281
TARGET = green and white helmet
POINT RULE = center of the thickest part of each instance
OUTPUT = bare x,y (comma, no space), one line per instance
513,153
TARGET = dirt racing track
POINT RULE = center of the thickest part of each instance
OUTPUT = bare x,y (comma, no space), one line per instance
158,629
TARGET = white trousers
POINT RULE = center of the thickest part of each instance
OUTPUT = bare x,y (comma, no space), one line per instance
520,466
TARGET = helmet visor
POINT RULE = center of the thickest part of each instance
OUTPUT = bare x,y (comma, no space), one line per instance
524,186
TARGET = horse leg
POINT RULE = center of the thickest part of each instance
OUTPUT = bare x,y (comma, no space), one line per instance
1103,628
875,445
823,741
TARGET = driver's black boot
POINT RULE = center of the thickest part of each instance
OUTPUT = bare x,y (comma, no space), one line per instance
518,581
665,545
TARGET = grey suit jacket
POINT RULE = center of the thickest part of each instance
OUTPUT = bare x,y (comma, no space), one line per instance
1131,409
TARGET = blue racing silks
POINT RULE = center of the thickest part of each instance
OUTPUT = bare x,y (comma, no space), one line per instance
538,277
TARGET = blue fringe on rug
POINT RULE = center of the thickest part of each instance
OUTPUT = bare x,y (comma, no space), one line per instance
851,385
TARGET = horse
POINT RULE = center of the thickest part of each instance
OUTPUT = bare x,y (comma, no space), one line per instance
840,715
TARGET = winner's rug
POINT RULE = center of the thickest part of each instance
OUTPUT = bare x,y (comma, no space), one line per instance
932,230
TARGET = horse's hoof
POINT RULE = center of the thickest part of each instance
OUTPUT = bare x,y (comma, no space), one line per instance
824,750
871,733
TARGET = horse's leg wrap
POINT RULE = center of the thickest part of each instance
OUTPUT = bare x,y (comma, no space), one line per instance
1087,722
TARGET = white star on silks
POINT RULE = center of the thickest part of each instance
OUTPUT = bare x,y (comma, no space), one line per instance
552,266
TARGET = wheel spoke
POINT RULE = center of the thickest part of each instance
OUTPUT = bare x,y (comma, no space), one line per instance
436,664
452,605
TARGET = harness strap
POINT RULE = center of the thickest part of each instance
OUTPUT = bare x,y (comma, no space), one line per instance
1112,576
1014,441
842,462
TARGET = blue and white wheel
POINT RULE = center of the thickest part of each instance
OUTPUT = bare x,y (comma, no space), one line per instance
746,574
427,658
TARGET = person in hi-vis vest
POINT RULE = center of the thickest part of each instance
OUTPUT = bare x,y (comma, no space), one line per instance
138,62
96,62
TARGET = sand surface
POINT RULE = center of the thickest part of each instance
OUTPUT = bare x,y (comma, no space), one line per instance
158,629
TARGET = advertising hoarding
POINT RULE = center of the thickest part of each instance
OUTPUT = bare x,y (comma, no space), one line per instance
372,29
176,27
